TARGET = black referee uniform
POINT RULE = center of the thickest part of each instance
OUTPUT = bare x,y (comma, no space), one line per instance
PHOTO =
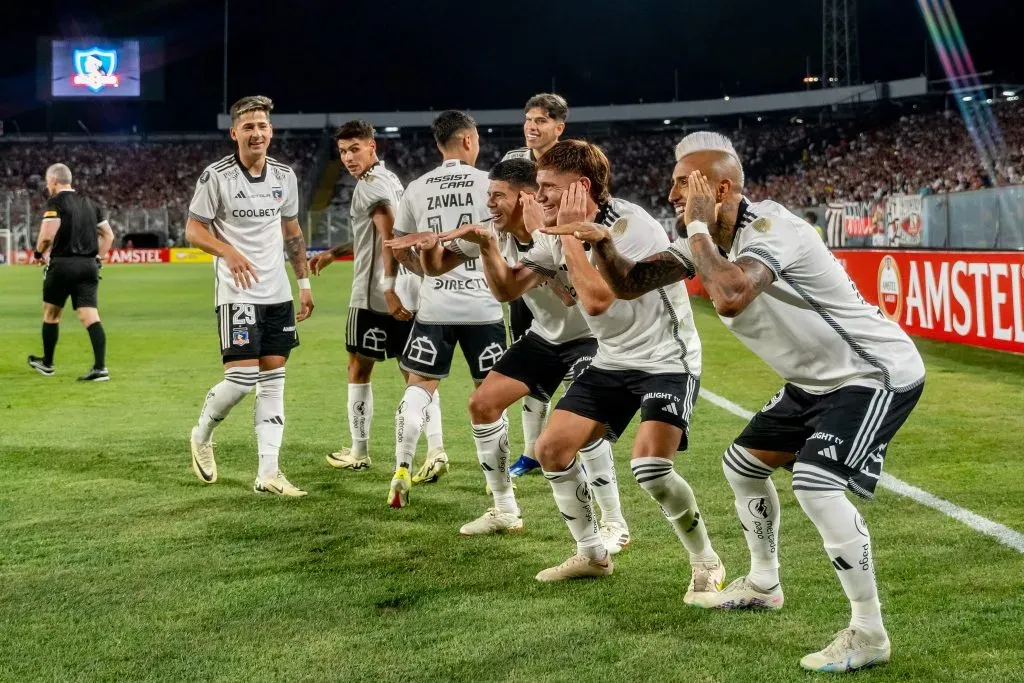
73,271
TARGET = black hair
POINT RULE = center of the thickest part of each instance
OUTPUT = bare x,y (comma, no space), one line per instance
450,122
519,173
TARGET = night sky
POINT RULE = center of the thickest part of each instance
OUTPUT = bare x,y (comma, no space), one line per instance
381,55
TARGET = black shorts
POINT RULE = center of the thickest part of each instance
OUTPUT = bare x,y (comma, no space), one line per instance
430,348
74,276
542,366
519,318
612,398
256,330
845,431
375,335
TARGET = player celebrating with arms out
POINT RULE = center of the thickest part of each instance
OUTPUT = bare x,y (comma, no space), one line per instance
557,344
455,308
648,360
852,378
245,213
378,317
545,114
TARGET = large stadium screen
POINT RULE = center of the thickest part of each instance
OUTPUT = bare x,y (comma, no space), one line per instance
97,67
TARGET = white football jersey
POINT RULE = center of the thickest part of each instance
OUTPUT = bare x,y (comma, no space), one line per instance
520,153
376,188
653,333
407,287
812,326
451,195
246,212
553,321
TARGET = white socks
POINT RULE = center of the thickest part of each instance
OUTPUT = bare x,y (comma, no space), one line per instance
236,385
409,421
757,506
492,451
535,412
360,416
674,495
269,420
822,495
432,426
604,485
572,496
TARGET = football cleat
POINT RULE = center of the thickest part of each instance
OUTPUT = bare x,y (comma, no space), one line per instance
615,536
95,375
523,466
435,466
346,459
277,485
705,577
851,650
37,364
398,494
741,594
493,521
577,567
203,463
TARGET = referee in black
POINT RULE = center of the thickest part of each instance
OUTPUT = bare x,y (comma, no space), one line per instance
76,232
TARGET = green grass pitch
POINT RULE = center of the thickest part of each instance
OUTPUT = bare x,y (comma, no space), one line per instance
116,563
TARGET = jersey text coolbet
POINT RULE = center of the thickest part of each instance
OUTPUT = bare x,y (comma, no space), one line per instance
246,212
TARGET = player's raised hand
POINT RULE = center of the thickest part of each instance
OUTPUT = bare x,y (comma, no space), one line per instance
424,241
700,200
305,304
584,232
397,310
573,205
461,232
533,213
320,261
243,272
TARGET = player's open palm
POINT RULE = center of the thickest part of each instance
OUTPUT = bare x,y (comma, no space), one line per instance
573,205
700,200
424,241
242,270
533,212
305,304
320,261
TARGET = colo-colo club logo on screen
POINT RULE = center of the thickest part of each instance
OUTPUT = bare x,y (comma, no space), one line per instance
94,69
890,289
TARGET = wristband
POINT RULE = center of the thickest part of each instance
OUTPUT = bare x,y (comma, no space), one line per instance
389,282
38,255
697,228
303,283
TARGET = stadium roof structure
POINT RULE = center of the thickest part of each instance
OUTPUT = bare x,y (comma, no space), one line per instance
803,99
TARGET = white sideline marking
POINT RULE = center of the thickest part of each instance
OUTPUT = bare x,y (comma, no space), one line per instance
1003,534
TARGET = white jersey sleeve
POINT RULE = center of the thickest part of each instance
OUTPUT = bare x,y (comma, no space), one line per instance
405,219
290,206
377,188
811,325
206,199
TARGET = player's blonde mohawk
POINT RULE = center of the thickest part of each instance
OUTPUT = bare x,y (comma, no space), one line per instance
705,141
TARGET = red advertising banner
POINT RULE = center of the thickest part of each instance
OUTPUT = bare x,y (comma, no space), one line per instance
974,298
139,256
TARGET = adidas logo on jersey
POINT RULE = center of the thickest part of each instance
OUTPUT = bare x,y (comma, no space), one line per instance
671,408
240,195
829,453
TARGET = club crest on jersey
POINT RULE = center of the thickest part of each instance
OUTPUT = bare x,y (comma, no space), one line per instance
240,337
203,179
94,68
619,227
277,193
762,224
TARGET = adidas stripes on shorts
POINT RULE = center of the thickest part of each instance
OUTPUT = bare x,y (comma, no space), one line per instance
613,397
846,431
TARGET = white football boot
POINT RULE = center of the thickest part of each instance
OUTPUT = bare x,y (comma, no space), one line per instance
851,650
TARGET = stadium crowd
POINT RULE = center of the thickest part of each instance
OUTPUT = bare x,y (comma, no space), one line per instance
798,164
